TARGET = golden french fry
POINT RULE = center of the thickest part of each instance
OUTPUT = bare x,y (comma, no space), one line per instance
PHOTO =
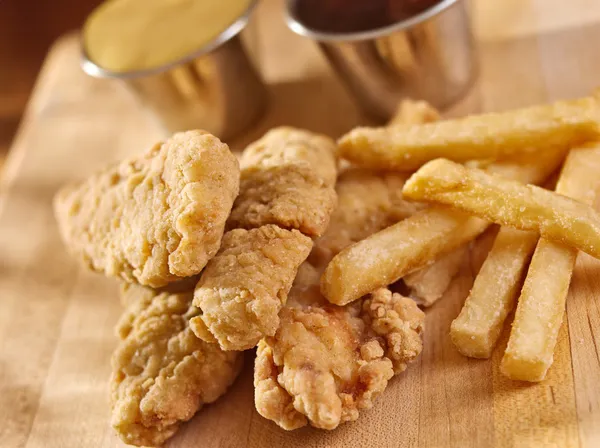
506,202
390,254
429,284
477,328
489,136
410,112
541,305
526,168
411,244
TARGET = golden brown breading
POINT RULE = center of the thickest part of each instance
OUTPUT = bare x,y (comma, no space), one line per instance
163,374
286,145
245,285
287,179
327,363
155,218
290,196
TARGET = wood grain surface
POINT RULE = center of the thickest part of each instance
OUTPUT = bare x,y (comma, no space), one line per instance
56,320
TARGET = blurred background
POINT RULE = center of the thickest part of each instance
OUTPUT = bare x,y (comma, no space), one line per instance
26,34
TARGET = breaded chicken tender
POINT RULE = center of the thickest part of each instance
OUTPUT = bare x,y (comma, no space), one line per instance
155,218
161,373
326,363
287,179
286,145
245,285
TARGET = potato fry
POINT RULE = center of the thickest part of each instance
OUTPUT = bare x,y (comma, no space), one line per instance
489,136
390,254
541,305
409,245
510,203
477,328
410,112
429,284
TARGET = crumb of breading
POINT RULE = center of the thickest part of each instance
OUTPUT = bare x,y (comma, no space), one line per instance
399,321
287,179
156,218
162,374
245,285
327,363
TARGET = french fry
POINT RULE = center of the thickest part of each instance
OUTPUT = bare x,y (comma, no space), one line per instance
390,254
541,305
510,203
477,328
411,244
489,136
429,284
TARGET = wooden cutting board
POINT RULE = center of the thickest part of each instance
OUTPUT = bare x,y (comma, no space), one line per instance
56,320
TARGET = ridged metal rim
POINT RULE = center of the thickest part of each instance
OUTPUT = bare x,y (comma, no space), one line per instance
92,69
299,28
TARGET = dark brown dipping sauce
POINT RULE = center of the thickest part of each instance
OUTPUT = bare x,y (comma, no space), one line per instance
351,16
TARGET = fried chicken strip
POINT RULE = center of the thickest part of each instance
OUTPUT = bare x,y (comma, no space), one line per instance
155,218
326,363
288,179
245,285
287,195
162,374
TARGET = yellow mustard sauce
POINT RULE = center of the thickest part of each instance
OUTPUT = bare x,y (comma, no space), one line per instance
130,35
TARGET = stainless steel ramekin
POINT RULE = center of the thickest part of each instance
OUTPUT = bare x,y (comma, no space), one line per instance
216,88
430,56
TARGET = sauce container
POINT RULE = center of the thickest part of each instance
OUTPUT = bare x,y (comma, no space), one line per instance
426,55
215,88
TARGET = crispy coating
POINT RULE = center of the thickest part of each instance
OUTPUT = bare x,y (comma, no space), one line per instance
489,136
326,363
162,374
156,218
288,179
290,196
368,201
245,285
286,145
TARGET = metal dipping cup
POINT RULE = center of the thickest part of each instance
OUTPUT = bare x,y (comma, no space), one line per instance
215,88
429,56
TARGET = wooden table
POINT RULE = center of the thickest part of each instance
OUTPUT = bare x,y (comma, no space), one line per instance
56,320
